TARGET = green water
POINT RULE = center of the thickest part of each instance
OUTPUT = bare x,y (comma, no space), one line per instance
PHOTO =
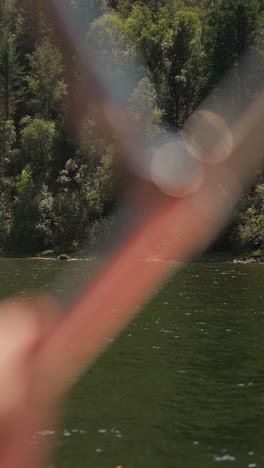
182,387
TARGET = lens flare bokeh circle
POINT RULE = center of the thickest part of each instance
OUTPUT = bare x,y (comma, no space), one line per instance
208,137
174,170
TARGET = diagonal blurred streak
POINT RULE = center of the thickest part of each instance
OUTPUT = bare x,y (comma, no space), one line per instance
174,227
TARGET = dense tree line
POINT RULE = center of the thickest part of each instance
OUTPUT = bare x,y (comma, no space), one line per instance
55,189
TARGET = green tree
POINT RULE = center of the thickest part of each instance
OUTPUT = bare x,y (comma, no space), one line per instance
232,27
45,81
7,140
115,54
148,36
37,141
144,109
22,234
85,189
46,219
248,233
10,74
11,71
184,60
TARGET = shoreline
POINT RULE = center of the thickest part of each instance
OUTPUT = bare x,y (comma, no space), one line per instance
206,258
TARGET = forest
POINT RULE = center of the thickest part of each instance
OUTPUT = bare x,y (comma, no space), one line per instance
58,189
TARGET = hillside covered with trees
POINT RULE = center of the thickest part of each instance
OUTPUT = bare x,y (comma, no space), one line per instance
56,189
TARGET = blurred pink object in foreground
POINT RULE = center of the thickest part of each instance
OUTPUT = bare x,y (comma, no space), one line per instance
41,354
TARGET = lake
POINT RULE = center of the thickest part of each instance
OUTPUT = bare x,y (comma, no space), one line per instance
183,386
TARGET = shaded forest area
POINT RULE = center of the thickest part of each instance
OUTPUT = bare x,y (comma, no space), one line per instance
57,190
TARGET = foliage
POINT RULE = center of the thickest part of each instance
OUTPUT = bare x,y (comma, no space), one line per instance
10,77
115,54
232,27
45,81
37,142
184,65
144,109
249,231
57,190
